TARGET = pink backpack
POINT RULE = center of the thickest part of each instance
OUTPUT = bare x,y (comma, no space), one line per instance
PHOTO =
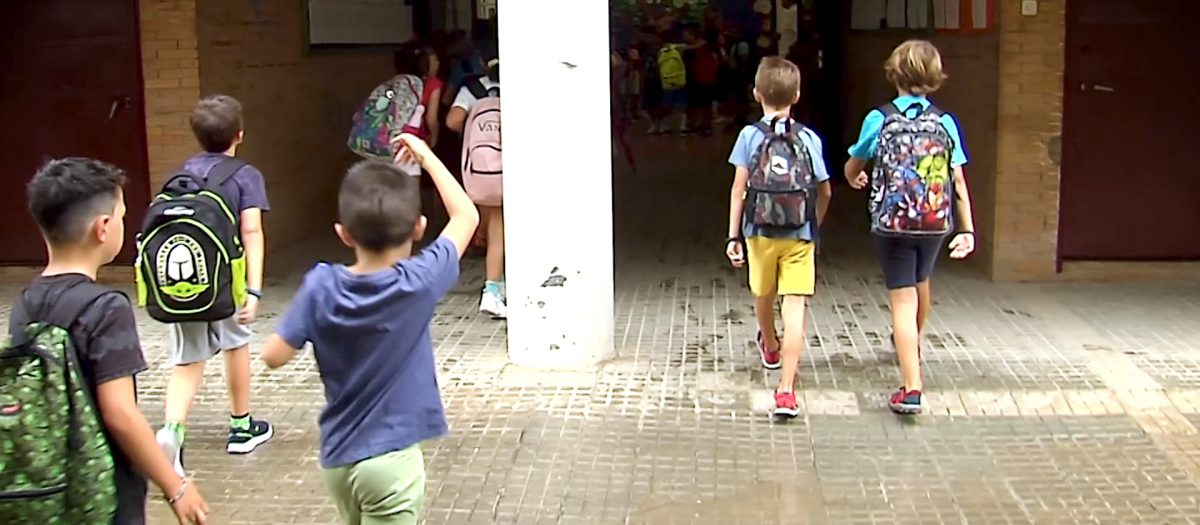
482,162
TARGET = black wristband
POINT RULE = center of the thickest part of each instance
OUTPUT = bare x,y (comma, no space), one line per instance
732,239
251,291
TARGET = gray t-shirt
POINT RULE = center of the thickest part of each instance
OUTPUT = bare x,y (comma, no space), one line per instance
244,190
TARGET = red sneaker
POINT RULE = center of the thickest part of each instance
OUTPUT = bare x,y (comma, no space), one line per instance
770,358
785,404
907,402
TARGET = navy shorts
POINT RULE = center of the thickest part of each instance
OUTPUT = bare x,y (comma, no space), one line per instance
906,261
675,98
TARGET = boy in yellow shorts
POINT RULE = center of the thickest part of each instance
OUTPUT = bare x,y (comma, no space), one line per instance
779,197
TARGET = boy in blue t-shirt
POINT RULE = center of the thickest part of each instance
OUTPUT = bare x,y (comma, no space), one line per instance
915,69
369,328
782,261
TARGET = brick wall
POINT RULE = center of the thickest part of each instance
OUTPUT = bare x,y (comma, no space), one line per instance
297,104
1030,119
970,95
171,72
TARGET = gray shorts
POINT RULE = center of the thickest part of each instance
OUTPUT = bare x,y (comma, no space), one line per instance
196,342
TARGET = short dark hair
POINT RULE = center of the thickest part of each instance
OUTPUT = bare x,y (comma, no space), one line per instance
378,205
66,194
216,122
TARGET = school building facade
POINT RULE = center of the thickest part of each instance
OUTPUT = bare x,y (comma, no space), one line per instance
1048,102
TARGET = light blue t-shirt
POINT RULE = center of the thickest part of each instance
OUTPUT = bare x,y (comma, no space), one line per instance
370,337
868,138
743,151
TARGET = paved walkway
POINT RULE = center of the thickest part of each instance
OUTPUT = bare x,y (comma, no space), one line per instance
1048,404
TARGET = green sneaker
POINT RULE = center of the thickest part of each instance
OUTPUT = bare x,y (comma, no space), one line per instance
244,439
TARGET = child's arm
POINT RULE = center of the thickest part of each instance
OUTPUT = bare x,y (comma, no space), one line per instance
276,352
464,217
293,329
737,195
254,243
855,174
824,195
431,114
963,243
457,117
863,149
132,434
821,173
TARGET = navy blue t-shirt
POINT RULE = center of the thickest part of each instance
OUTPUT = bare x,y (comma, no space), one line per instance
370,337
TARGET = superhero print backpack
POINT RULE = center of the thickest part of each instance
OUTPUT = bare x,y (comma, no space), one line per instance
911,186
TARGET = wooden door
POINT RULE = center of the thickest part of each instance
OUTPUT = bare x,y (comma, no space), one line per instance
71,87
1130,188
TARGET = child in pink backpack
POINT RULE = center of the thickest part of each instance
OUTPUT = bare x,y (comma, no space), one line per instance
476,113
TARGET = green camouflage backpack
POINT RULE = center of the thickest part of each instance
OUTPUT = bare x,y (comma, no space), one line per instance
55,463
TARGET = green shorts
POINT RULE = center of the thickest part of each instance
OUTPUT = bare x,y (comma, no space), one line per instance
386,489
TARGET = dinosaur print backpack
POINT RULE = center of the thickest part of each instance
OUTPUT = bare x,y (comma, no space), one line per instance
55,463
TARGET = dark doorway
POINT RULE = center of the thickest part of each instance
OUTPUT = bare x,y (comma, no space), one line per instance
71,86
1129,184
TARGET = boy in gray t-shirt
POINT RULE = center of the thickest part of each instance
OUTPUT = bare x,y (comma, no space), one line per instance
217,124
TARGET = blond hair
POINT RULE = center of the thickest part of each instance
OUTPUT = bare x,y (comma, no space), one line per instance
777,82
915,67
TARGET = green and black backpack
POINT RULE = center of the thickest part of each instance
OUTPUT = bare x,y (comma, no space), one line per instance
55,462
190,262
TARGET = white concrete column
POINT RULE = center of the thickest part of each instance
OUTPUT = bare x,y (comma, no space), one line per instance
554,77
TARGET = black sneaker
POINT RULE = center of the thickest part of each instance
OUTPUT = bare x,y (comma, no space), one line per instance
245,440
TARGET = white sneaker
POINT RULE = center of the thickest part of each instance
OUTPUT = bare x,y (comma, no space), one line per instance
172,448
504,292
493,305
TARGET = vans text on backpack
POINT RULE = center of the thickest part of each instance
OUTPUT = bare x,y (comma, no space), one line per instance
911,184
779,192
390,109
55,465
190,262
482,161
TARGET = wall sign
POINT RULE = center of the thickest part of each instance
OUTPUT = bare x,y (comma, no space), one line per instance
357,23
942,15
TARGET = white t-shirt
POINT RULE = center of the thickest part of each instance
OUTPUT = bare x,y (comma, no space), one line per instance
466,99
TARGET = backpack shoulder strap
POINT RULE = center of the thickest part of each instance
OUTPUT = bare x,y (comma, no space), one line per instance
222,172
69,306
888,109
934,110
765,128
474,84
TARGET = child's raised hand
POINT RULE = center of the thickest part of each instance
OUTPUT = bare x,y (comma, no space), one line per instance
412,149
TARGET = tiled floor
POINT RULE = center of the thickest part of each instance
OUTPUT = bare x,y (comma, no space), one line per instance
1048,404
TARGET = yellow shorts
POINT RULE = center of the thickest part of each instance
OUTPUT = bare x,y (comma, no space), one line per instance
780,266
